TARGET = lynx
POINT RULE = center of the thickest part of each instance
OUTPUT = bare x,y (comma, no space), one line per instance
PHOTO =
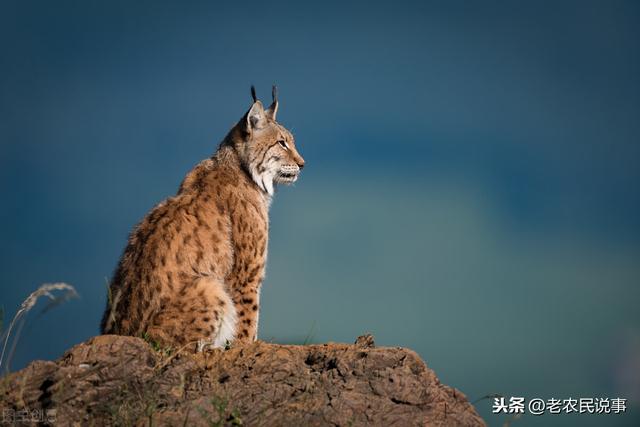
193,267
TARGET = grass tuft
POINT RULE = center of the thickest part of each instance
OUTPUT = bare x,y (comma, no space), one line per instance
224,416
45,290
310,334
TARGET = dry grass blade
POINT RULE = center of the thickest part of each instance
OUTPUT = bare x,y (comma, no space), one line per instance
43,291
163,363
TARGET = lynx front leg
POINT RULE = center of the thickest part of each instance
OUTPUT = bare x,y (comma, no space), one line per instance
247,305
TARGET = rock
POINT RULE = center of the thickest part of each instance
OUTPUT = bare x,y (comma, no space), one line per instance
117,380
365,341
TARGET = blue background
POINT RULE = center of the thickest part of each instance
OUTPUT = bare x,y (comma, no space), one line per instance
471,188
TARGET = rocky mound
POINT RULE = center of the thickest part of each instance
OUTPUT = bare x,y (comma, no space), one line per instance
116,380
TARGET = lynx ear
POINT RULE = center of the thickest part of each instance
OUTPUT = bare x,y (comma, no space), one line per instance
256,117
273,108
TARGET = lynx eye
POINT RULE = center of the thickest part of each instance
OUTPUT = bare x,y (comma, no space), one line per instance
283,144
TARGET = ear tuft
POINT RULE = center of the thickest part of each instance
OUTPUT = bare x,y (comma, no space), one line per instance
253,93
273,108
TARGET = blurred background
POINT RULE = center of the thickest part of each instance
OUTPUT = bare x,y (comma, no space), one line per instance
471,189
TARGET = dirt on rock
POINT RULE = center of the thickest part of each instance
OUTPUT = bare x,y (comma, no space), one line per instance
118,380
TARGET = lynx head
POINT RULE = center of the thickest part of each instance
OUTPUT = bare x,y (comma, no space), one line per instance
267,149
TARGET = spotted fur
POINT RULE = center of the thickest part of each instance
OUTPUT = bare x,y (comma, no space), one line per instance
193,267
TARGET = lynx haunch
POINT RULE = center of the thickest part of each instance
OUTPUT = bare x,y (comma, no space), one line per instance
193,267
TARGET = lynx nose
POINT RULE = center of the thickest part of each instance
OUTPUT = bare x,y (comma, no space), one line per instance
300,163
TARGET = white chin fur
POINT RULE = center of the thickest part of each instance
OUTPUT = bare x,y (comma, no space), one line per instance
287,180
264,181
